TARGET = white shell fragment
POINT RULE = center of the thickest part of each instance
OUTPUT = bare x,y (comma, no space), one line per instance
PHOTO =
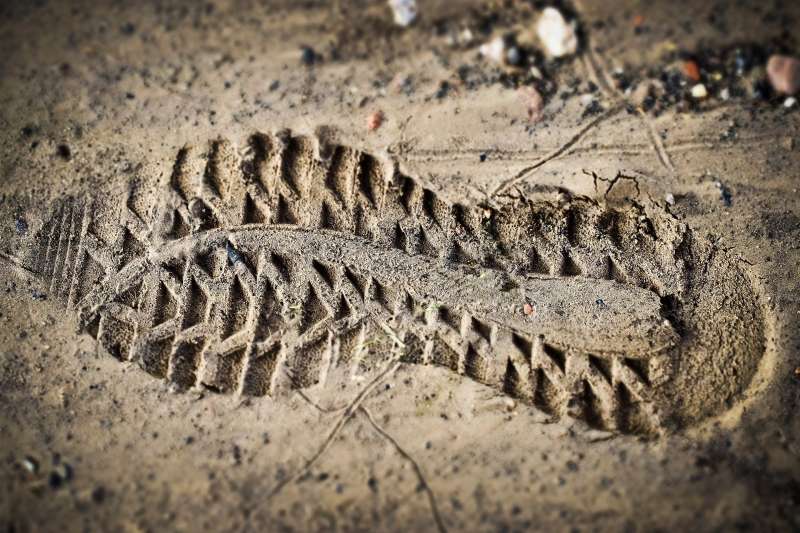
558,36
405,11
699,91
494,50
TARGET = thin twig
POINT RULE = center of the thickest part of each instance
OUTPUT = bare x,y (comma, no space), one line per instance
423,483
595,64
527,171
393,365
658,144
317,406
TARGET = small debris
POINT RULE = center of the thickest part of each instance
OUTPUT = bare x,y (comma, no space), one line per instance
559,37
724,193
37,295
783,73
641,95
99,494
442,90
308,56
402,84
691,70
466,38
30,464
594,107
64,152
21,225
699,91
405,11
374,120
233,255
670,198
533,102
60,475
513,56
494,50
790,102
528,309
372,483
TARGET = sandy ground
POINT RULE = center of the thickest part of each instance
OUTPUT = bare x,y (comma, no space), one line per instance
97,99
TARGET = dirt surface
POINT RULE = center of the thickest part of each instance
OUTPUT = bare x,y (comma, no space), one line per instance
290,266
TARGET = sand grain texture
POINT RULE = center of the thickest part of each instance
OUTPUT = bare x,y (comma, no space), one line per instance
229,305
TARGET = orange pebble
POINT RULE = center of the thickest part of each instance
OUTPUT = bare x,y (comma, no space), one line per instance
638,20
691,70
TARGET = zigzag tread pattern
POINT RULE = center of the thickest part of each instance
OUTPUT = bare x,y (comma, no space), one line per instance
187,284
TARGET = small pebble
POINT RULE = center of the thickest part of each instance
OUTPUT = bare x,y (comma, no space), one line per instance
513,56
465,38
790,102
691,70
233,254
374,120
670,198
442,90
30,464
21,225
99,494
55,480
699,91
60,475
725,94
724,193
64,152
308,56
783,73
494,50
37,295
405,11
533,102
558,36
